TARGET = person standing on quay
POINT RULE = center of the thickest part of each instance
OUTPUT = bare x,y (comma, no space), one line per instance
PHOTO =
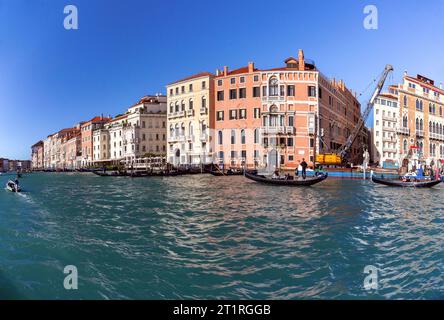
304,166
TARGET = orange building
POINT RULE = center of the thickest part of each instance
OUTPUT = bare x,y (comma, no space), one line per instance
86,129
277,117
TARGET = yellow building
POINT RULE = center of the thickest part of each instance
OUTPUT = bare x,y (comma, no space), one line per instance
190,104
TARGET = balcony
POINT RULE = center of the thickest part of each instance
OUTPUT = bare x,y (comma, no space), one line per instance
190,112
273,130
182,138
190,138
173,139
389,118
203,137
387,149
289,130
273,99
388,129
388,139
203,110
420,133
436,136
403,130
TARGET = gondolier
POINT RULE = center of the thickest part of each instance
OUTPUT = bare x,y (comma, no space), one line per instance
304,166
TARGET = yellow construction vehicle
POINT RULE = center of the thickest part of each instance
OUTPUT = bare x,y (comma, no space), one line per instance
342,157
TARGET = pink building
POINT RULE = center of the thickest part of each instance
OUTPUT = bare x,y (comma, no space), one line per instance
277,117
37,156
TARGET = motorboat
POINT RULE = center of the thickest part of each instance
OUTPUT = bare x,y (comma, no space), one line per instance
12,186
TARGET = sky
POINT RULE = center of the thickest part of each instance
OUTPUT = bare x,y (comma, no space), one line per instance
52,78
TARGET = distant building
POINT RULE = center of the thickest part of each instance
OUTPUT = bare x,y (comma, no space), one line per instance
4,165
37,155
140,131
87,129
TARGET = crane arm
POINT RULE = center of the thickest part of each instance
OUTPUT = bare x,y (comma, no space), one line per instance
351,139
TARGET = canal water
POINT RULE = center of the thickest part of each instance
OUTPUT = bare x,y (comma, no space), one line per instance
205,237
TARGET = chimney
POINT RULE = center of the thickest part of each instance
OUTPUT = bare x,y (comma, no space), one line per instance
217,72
225,71
301,60
250,67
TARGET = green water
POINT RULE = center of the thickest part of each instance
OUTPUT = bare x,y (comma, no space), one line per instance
205,237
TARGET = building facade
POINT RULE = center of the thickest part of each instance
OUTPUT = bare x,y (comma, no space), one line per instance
37,156
419,123
139,132
190,114
86,129
277,117
385,139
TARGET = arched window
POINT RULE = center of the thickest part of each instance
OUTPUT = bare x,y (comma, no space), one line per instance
176,129
182,106
243,136
220,138
190,129
177,107
405,101
417,124
420,105
204,102
182,129
171,131
430,127
233,136
171,108
421,125
256,135
273,87
191,104
417,104
405,146
405,122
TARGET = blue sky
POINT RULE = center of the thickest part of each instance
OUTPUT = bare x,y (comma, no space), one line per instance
51,78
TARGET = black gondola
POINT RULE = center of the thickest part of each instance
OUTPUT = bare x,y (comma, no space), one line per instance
406,184
287,182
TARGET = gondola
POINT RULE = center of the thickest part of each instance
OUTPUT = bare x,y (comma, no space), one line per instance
12,186
309,181
229,172
406,184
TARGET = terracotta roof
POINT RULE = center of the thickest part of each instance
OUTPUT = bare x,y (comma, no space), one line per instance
119,118
389,95
194,76
68,130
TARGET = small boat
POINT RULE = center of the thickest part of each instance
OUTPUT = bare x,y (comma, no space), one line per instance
229,172
309,181
12,186
109,174
406,184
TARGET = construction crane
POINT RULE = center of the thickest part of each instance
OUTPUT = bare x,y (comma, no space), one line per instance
343,153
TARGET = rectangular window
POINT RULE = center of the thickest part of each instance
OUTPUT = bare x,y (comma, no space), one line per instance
220,96
244,154
191,87
311,91
290,91
291,121
233,94
264,91
233,80
257,113
220,116
243,114
290,158
242,79
233,114
290,142
204,84
256,78
242,93
219,82
320,93
256,92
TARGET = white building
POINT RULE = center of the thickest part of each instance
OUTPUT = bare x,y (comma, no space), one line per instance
140,131
385,140
190,110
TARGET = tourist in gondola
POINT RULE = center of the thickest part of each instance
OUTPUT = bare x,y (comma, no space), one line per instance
304,166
